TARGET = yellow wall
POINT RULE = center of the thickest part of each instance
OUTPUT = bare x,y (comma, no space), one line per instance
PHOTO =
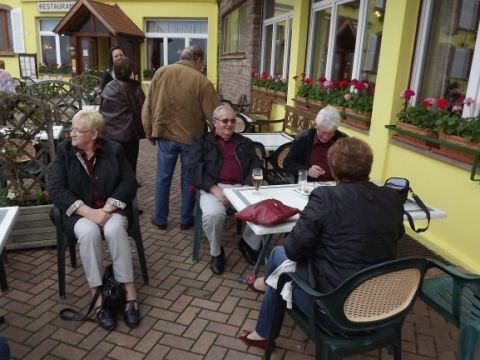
138,11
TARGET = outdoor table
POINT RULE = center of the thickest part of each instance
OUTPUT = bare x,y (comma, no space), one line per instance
241,197
270,140
8,215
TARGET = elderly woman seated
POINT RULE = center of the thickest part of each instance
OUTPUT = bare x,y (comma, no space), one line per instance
343,229
310,147
92,183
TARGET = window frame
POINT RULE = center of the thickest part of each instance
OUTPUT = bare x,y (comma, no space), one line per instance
6,13
58,54
224,18
359,40
165,36
273,21
473,84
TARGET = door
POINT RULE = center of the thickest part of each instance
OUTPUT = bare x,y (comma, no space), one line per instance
88,54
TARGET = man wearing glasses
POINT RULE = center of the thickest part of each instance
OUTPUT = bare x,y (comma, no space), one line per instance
218,160
180,99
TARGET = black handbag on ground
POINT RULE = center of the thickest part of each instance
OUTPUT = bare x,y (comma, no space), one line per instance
113,298
402,185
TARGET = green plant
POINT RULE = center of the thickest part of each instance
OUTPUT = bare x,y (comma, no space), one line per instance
264,80
52,69
469,129
360,98
148,73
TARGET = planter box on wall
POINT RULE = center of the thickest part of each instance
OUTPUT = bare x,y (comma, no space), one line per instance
420,143
454,153
32,229
356,119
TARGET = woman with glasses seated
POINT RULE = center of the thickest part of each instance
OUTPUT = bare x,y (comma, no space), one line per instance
92,183
218,160
342,230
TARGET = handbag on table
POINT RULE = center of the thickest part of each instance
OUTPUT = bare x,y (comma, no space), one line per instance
267,212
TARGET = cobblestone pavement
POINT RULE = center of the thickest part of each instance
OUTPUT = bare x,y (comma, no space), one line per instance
188,313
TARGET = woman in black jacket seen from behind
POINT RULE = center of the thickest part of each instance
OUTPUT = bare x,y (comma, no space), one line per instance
121,107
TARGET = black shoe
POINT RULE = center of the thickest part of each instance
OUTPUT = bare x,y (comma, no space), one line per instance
106,319
217,265
186,226
248,253
131,315
159,226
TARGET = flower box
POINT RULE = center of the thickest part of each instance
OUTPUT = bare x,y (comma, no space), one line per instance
32,229
357,119
420,143
454,153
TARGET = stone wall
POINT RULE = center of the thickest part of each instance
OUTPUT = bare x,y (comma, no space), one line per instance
234,71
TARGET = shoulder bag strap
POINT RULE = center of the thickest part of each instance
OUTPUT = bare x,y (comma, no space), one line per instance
423,207
70,314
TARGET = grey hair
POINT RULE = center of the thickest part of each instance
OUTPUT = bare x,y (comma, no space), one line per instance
93,119
192,53
328,118
221,108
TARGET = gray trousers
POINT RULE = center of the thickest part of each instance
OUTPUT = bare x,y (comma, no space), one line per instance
213,220
89,235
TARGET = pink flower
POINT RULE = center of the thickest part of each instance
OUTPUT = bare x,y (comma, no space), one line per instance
328,84
469,101
359,85
407,94
457,108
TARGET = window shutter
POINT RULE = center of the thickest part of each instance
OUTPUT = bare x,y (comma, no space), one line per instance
17,29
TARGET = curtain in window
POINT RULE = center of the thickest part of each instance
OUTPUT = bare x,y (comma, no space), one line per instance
177,26
320,42
449,49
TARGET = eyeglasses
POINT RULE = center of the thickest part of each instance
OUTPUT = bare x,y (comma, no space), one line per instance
226,121
77,131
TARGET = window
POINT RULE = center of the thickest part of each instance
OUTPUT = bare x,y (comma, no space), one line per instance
55,49
234,30
447,51
167,38
344,39
6,40
276,36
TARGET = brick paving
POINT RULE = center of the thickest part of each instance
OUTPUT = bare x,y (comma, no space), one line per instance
188,313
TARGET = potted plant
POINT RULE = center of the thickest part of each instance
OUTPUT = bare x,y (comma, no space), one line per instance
358,104
419,119
266,84
454,129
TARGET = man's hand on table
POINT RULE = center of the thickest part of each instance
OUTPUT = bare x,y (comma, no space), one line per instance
217,191
315,171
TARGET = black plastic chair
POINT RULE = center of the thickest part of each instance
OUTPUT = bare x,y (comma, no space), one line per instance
64,241
275,173
368,309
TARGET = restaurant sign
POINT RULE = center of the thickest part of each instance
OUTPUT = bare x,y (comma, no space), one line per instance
54,6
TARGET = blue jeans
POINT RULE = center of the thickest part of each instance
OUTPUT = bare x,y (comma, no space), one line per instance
167,154
4,349
300,298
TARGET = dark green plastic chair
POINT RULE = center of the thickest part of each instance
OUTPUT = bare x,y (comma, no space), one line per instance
456,296
368,309
64,241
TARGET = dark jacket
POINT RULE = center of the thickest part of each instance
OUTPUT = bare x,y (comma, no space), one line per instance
121,107
206,160
107,77
344,229
298,157
68,181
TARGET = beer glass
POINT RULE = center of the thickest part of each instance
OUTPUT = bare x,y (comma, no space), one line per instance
257,178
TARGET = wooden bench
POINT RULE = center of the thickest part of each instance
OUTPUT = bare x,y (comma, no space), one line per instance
456,296
297,120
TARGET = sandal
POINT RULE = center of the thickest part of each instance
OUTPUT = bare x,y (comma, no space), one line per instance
251,278
263,344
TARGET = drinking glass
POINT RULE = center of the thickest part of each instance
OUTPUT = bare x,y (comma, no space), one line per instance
302,179
257,178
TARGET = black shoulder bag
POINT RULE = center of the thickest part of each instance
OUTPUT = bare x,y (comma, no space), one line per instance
113,298
402,185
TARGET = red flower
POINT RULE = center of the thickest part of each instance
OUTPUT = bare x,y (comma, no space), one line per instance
426,102
254,74
407,94
322,79
359,85
307,80
442,103
264,76
343,83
